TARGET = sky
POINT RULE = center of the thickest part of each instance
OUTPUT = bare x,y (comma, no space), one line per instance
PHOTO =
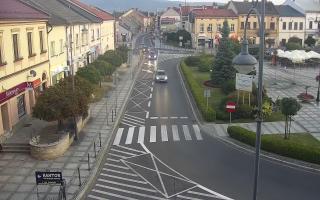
225,1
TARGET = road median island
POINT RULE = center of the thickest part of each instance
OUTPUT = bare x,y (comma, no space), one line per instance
301,146
197,91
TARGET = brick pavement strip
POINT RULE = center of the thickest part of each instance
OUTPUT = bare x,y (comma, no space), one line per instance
17,179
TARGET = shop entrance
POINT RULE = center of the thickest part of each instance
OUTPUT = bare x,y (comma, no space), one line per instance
5,118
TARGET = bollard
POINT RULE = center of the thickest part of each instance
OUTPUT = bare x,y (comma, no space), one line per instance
112,115
94,148
88,162
100,139
79,176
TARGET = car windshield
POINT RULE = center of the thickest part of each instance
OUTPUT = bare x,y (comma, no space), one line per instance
160,73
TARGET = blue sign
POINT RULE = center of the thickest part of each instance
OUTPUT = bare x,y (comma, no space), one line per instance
52,178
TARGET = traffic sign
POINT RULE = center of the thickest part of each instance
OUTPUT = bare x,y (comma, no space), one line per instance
50,178
207,93
231,107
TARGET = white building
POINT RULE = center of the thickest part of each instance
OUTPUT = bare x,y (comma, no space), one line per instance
170,20
291,24
123,34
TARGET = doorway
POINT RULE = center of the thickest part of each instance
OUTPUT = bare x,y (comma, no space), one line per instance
5,118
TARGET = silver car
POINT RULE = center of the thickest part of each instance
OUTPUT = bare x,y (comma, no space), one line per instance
161,76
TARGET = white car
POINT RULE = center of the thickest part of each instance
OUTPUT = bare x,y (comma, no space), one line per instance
161,76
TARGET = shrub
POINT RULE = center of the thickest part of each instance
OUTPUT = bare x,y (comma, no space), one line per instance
244,111
310,41
275,144
228,86
89,73
206,62
113,58
197,92
192,60
293,46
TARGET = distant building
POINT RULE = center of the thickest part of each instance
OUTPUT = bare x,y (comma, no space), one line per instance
311,9
135,20
241,8
170,20
123,34
207,24
24,61
291,24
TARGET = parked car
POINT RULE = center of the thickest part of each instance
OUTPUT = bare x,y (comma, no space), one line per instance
161,76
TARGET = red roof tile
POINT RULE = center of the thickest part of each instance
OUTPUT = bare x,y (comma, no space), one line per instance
15,9
214,12
95,11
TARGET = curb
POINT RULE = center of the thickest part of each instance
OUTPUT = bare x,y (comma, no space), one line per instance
106,146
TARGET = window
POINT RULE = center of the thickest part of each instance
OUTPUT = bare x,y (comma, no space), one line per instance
248,25
21,106
219,27
301,26
242,25
52,47
92,35
42,47
295,27
290,25
272,26
61,46
77,40
310,24
30,47
2,62
232,27
15,40
284,25
201,28
254,25
210,28
98,33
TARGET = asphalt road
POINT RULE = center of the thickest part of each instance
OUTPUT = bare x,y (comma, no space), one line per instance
159,152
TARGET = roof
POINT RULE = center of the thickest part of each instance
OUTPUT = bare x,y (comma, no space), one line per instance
213,12
15,9
97,12
288,11
307,5
243,7
185,10
59,13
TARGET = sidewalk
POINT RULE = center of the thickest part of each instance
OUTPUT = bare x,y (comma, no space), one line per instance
17,171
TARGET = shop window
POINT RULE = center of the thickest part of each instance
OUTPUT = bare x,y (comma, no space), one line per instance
21,106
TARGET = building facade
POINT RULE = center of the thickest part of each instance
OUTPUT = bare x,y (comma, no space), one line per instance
123,34
207,25
24,61
170,20
291,24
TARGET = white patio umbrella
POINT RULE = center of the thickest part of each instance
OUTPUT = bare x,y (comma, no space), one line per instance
313,54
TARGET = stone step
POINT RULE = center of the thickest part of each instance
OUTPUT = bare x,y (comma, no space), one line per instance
15,148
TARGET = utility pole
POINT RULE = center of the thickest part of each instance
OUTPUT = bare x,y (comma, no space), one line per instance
73,81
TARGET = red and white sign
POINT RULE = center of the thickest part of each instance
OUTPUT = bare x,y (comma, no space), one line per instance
231,107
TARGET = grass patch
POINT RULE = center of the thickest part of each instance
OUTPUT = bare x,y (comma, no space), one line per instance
301,146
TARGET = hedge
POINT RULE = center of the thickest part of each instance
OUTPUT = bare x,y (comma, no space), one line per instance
275,144
197,92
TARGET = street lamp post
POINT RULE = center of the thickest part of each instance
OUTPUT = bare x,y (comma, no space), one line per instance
245,62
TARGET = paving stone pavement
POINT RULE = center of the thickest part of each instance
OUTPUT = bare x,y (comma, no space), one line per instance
17,171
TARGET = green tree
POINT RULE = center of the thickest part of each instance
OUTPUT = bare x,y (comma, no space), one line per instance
293,46
310,41
113,58
295,39
89,73
289,107
104,68
222,69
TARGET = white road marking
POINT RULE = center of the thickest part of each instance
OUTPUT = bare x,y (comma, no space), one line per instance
152,89
154,117
133,120
116,166
186,132
150,96
163,117
147,115
114,195
118,137
197,132
124,152
185,197
96,197
202,194
119,172
124,179
116,155
131,116
164,133
149,103
141,134
127,185
175,133
130,135
131,149
153,83
153,134
183,117
173,117
127,124
214,193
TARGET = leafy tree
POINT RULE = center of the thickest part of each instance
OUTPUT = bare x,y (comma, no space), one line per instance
60,101
270,42
89,73
104,68
236,46
295,40
223,70
122,51
289,107
293,46
310,41
113,58
266,109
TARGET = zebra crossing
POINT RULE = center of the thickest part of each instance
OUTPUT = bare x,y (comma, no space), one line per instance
131,120
162,133
126,175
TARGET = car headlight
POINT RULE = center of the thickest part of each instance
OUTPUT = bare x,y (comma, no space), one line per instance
149,56
157,78
165,78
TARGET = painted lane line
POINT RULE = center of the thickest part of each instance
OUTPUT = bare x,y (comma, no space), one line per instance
197,132
129,192
118,136
153,134
150,96
154,117
149,103
124,179
123,152
113,195
186,132
133,123
214,193
147,115
96,197
134,117
175,133
134,120
116,155
164,133
141,134
116,166
127,185
173,117
202,194
152,82
119,172
130,135
152,89
127,124
183,117
112,160
189,198
163,117
131,149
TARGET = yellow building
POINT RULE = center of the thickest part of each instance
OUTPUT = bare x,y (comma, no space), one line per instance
207,24
271,22
24,62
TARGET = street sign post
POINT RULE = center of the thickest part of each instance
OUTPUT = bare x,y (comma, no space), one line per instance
48,178
231,107
207,94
